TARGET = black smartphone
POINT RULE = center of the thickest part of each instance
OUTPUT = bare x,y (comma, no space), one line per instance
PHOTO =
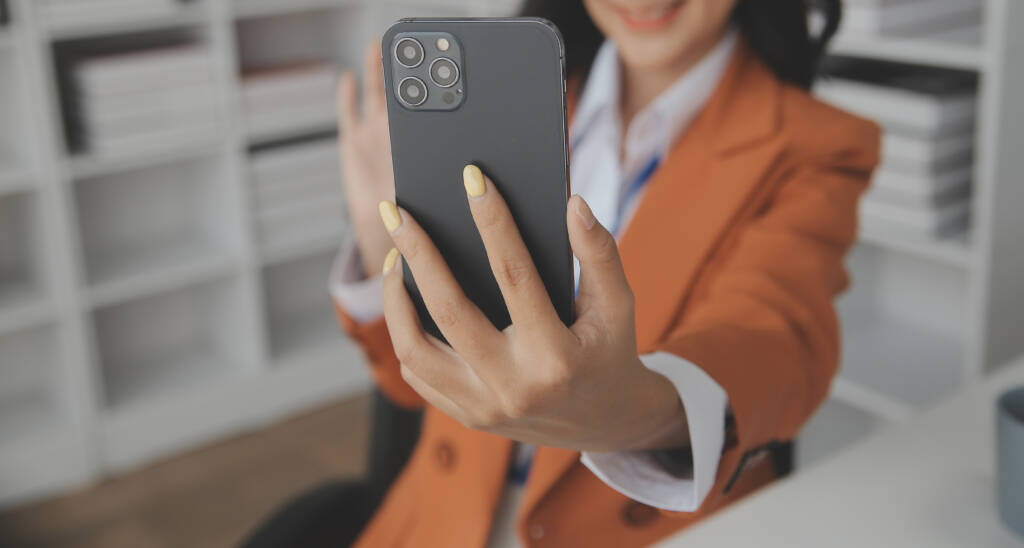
489,92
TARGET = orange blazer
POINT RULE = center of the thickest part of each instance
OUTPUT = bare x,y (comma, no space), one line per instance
757,204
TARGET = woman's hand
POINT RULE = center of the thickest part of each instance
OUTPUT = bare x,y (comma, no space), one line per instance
367,174
581,387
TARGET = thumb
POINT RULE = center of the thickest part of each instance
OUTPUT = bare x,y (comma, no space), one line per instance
604,291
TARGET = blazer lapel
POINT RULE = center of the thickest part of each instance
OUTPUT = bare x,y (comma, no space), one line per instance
710,174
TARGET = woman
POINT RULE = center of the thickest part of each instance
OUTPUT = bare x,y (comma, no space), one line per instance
716,201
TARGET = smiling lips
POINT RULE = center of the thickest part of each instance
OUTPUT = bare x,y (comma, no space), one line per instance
651,17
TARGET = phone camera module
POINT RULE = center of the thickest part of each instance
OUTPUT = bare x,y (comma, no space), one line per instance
412,91
409,52
444,72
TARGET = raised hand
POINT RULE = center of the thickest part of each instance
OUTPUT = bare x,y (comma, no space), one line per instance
367,175
581,387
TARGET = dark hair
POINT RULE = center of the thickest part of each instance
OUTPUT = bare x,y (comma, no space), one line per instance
777,30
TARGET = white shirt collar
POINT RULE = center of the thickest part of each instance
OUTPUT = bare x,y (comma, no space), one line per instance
654,129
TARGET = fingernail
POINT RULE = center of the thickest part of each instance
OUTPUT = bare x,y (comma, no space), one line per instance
583,212
389,214
390,260
473,178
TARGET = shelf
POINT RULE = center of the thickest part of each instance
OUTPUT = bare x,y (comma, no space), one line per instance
835,427
299,313
154,229
21,417
896,368
175,421
303,341
244,9
192,13
296,33
284,250
87,166
333,369
954,251
15,181
293,125
16,131
170,342
156,269
6,39
46,463
28,384
297,227
167,376
22,308
959,49
20,268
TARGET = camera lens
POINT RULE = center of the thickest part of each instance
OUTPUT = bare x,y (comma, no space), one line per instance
412,91
444,72
409,52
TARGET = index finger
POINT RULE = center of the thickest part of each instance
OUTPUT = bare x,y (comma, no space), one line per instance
525,296
467,329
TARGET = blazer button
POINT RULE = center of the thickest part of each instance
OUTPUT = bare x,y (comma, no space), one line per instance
636,514
537,531
445,454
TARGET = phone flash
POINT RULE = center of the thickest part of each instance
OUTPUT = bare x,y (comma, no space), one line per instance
442,44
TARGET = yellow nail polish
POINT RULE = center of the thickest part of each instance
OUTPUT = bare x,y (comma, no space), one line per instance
390,260
473,178
389,214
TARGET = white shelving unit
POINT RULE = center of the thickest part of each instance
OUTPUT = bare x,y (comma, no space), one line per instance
140,312
924,318
141,315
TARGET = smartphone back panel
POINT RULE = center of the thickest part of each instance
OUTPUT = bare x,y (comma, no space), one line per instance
510,121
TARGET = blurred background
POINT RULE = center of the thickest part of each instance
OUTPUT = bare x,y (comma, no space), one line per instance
170,367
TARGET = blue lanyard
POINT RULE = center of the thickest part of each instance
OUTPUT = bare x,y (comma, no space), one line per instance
638,184
632,190
519,470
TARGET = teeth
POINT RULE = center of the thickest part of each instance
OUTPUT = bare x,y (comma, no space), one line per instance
653,13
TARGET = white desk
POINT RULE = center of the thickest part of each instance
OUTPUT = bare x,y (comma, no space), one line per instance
926,483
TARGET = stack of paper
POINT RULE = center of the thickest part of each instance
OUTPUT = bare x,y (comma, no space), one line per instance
922,188
297,190
59,13
145,100
289,100
908,17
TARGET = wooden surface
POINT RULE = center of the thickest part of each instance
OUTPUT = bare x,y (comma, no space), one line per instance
209,497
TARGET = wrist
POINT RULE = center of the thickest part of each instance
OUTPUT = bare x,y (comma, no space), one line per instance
665,414
373,244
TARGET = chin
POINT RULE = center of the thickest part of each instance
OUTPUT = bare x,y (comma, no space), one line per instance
650,54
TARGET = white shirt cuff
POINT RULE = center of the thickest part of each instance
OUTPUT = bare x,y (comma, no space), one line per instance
357,294
638,476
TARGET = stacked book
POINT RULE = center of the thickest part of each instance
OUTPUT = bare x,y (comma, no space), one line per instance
145,100
63,13
922,187
297,192
908,17
285,101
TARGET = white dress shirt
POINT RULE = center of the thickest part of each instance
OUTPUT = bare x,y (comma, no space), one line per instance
604,164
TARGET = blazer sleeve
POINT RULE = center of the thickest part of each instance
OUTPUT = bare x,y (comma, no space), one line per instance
373,338
761,322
